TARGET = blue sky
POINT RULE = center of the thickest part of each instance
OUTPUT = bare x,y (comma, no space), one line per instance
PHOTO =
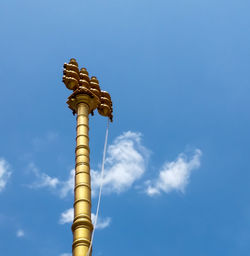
178,75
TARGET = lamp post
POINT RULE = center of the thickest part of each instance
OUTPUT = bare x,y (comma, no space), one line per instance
86,97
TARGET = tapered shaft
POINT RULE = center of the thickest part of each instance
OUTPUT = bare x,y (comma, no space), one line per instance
82,226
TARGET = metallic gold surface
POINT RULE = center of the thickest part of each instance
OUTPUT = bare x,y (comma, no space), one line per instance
86,97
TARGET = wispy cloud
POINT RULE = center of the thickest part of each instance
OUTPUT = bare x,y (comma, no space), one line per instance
42,179
101,222
125,163
174,175
66,254
5,173
20,233
68,216
67,186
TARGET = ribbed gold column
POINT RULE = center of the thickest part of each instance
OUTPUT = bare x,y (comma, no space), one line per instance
82,226
86,97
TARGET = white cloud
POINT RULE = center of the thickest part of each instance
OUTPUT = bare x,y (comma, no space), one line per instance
42,179
20,233
125,163
68,216
5,173
66,254
68,185
175,175
101,222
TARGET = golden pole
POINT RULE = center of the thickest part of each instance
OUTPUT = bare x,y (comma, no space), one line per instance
86,97
82,226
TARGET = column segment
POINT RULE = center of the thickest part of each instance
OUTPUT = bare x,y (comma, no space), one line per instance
82,226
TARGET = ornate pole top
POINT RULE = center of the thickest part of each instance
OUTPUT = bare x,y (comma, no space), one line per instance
81,84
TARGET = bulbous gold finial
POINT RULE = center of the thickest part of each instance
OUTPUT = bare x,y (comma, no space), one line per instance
94,86
73,61
84,78
80,82
106,106
71,75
